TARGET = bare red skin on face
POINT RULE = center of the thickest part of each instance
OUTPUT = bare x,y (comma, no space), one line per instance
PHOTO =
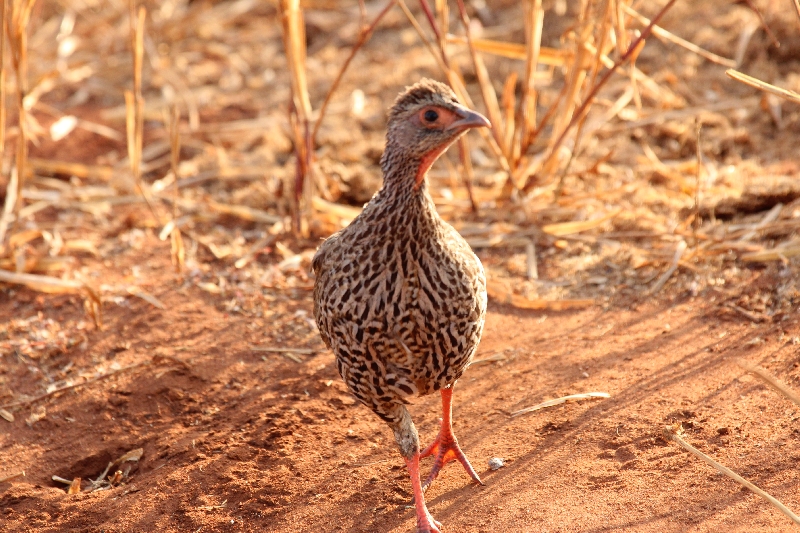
444,120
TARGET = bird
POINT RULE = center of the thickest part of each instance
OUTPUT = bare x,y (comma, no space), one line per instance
399,296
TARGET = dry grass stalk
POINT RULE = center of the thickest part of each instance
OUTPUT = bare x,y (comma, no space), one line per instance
786,94
294,40
671,434
18,39
532,266
763,23
563,399
134,104
658,31
782,253
533,56
575,78
52,285
603,34
553,57
259,245
772,381
583,108
487,90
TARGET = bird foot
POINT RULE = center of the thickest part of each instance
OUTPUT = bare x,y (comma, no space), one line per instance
445,449
427,524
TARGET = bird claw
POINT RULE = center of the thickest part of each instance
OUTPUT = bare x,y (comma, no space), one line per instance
445,449
430,525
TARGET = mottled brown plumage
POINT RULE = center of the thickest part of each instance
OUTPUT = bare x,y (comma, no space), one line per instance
399,296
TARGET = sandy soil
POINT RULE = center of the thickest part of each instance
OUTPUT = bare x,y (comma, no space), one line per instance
240,440
219,378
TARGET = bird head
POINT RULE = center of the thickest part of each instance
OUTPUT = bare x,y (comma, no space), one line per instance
424,121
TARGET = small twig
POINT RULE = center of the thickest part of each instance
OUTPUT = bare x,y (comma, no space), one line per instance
744,312
278,349
559,401
101,479
679,250
772,381
670,433
491,359
12,477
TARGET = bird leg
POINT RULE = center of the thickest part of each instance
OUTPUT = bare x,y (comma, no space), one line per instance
405,433
445,448
425,522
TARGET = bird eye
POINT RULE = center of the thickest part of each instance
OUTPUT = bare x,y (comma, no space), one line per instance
431,115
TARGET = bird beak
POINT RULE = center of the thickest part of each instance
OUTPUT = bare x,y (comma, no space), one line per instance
469,119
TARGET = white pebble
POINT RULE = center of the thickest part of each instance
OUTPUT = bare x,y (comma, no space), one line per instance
496,463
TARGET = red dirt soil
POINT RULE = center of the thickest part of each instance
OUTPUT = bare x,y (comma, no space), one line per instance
240,440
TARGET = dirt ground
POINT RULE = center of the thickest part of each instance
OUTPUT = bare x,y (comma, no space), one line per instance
216,380
239,440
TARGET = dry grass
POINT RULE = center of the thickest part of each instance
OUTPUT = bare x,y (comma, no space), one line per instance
542,179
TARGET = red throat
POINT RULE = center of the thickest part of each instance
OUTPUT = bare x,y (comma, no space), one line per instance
425,165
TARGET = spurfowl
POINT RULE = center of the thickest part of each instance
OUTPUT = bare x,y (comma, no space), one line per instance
399,296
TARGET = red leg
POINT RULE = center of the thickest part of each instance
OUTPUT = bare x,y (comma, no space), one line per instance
425,522
445,448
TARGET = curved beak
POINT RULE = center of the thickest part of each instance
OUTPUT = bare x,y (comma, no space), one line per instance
469,119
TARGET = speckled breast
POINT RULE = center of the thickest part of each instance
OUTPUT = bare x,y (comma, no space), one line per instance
403,315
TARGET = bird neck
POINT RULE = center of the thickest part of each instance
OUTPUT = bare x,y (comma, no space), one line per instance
405,174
